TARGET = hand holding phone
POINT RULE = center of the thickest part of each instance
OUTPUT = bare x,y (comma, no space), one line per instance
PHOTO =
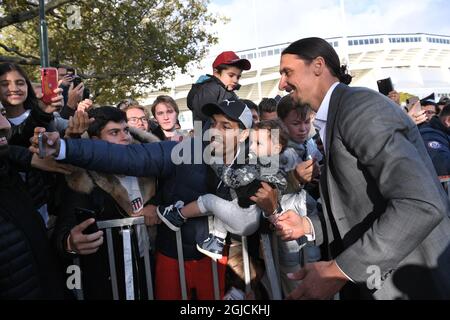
413,105
41,145
385,86
82,215
49,83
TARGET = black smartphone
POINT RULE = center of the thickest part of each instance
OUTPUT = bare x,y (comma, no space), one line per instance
41,145
76,81
385,86
82,215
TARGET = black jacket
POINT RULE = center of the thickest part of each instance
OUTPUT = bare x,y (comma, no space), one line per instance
28,266
210,91
437,141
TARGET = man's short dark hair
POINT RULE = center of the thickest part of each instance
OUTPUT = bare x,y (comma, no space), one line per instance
102,116
268,105
275,124
287,104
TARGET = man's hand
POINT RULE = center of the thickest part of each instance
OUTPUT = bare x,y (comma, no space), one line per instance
51,142
291,226
84,243
417,117
266,198
319,281
304,171
75,95
394,96
57,102
51,165
150,216
78,124
66,80
85,105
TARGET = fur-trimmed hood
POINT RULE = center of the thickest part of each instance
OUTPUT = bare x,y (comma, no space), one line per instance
84,181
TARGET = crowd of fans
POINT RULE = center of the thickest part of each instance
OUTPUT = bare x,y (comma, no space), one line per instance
40,234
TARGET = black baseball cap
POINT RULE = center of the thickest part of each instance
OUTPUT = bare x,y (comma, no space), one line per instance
428,100
236,110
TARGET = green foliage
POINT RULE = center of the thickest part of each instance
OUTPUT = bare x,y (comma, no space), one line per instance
122,47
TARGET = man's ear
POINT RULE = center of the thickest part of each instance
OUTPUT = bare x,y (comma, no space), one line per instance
244,135
318,65
216,73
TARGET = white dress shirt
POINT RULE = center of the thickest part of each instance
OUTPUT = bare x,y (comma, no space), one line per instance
322,114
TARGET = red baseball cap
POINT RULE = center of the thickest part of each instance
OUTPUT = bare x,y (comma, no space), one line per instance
231,58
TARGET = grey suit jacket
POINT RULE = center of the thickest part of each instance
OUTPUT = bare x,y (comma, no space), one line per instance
385,214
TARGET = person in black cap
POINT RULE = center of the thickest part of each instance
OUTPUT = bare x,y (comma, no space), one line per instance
183,174
429,106
240,216
227,70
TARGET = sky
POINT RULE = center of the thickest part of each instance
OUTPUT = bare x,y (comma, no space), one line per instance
265,22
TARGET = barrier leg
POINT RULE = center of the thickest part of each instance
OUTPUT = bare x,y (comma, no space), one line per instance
148,269
112,264
215,274
270,267
128,264
246,265
181,266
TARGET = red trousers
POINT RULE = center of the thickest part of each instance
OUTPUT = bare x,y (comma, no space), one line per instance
198,277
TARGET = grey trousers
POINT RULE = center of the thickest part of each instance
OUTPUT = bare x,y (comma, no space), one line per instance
228,216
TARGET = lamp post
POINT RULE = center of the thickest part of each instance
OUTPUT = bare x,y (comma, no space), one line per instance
43,37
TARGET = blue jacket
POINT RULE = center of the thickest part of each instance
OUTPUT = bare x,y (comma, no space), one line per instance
437,141
185,182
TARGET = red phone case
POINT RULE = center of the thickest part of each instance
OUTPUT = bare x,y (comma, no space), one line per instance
49,82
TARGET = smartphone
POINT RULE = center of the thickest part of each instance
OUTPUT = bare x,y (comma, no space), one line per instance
41,145
412,103
385,86
76,81
82,215
49,82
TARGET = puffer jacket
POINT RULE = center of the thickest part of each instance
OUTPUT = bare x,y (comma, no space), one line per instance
210,90
28,266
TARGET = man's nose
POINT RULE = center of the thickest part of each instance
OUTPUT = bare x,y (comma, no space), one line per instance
282,84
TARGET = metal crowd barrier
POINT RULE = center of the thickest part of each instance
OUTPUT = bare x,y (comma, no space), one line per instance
128,224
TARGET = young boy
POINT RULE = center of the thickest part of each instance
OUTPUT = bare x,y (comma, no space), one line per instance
268,140
220,86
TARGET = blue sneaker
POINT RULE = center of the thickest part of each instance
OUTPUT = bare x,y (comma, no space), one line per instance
212,247
171,216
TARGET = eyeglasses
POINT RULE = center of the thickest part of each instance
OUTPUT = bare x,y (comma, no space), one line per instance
136,119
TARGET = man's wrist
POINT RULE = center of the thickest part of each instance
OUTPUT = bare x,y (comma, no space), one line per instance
69,246
306,226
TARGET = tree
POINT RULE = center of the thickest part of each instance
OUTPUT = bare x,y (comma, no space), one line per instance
122,47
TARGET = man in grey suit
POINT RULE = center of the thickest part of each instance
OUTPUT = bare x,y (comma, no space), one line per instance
385,225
